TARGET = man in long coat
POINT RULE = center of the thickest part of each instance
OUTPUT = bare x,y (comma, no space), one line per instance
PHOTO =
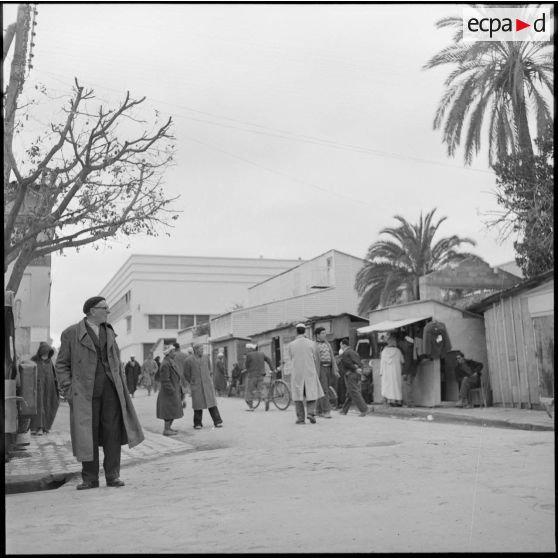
305,381
171,395
197,372
101,410
133,372
179,359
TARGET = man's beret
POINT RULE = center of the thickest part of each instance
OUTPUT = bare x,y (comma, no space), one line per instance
90,302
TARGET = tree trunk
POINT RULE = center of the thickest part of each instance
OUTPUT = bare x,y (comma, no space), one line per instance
524,135
20,265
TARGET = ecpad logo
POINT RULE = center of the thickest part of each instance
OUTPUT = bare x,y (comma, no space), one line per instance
528,23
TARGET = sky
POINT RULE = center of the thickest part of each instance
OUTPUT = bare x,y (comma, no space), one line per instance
299,128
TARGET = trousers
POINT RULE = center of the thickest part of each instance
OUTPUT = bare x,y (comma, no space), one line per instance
213,411
310,407
107,421
323,405
354,394
253,388
467,384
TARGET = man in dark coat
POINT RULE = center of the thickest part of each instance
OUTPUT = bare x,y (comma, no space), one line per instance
198,374
133,372
352,367
179,359
171,395
467,374
101,410
220,375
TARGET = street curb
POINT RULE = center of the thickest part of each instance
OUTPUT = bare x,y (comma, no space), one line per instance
440,416
36,483
18,484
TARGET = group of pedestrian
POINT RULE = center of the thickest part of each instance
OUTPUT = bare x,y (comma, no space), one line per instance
177,371
89,375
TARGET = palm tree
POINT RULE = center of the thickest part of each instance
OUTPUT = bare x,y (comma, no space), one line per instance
398,262
503,79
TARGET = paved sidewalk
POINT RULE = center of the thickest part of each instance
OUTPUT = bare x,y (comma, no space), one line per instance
49,462
499,417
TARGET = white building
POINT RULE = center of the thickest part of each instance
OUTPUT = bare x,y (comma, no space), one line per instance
321,286
32,307
152,297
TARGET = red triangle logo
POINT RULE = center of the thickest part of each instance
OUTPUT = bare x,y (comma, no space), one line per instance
519,25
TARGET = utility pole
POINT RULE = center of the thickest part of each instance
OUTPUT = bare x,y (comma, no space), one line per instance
17,77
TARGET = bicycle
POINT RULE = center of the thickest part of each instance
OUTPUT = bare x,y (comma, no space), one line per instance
278,392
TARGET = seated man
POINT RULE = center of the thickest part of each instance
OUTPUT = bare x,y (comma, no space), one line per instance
467,373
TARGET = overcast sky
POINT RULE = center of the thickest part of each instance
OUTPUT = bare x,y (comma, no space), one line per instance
300,128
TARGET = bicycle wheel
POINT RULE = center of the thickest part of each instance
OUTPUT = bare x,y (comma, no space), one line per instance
332,395
280,394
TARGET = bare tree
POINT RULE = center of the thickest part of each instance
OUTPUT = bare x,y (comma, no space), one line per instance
94,175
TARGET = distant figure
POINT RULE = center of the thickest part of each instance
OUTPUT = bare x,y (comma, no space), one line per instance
169,400
235,379
198,375
220,376
156,382
148,370
467,374
352,369
47,391
101,409
255,374
391,361
305,382
328,371
132,371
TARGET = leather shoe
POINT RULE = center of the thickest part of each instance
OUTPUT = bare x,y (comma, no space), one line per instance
300,422
115,482
85,485
168,432
312,419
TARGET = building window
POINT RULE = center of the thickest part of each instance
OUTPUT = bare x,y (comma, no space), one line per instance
155,321
171,321
186,320
202,319
129,324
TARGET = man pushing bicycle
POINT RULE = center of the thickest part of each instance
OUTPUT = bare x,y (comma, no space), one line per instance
255,374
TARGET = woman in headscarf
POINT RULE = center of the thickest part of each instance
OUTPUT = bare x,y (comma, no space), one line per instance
47,391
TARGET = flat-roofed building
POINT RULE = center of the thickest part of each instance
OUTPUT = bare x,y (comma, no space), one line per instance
152,297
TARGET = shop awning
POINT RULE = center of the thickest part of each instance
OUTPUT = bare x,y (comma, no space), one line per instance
391,324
